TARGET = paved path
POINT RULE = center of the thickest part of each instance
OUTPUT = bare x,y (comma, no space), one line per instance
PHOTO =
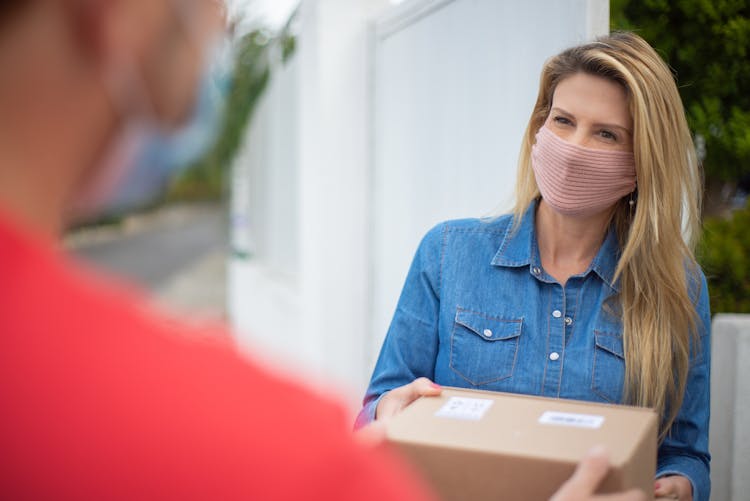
177,252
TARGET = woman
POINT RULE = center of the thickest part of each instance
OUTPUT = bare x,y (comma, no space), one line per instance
590,289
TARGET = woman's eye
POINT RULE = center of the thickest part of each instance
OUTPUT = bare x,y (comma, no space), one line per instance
562,120
608,135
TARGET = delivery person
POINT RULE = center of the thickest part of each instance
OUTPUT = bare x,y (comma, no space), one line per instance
101,398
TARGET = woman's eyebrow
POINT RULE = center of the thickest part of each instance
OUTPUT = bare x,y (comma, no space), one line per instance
560,110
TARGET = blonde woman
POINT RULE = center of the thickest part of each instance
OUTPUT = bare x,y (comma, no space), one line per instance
590,289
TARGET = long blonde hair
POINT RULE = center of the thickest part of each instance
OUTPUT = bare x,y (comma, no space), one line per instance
657,237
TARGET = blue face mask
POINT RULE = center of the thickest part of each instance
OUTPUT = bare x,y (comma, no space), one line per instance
145,158
162,156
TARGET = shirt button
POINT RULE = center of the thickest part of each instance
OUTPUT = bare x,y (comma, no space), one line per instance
535,270
568,320
556,314
554,356
487,333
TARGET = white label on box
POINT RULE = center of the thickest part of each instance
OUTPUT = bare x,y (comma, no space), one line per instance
570,419
471,409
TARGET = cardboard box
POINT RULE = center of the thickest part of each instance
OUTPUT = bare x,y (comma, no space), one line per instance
476,445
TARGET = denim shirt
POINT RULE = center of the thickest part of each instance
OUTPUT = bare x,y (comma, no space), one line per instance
479,311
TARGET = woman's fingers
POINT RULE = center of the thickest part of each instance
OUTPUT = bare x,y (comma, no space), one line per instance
422,387
673,487
397,399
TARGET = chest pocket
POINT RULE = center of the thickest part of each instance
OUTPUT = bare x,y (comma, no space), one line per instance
484,348
608,373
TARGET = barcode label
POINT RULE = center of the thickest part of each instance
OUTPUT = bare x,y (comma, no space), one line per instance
570,419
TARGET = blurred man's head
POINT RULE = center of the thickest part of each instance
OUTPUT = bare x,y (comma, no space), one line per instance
75,74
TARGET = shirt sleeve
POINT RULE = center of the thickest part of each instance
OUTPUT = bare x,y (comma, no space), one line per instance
685,450
411,344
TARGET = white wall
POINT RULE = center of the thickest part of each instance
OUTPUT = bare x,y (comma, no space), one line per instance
265,204
263,296
730,407
317,315
390,119
335,128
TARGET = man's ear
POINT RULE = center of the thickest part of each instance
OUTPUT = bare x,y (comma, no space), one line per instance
104,36
97,29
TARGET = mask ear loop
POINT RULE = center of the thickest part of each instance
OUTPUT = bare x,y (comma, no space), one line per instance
128,95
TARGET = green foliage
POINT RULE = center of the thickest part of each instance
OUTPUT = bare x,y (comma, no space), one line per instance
724,254
206,179
707,43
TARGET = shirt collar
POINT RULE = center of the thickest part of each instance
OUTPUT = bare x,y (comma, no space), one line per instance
519,248
605,262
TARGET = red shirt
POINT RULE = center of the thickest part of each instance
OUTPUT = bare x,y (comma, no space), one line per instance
100,398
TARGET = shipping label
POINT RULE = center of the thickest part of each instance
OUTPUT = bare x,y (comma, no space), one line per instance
470,409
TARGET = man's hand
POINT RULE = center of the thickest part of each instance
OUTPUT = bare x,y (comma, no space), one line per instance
589,474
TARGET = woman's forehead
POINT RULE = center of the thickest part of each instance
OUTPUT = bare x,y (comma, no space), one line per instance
593,97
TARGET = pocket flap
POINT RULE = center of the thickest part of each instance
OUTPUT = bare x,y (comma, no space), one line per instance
610,342
488,327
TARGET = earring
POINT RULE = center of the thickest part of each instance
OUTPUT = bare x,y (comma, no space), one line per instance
631,203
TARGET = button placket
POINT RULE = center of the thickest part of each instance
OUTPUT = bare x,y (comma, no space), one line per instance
555,342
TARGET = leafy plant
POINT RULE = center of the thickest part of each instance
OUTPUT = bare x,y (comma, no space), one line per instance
707,43
724,254
256,55
206,178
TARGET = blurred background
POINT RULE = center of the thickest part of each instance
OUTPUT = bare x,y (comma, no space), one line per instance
353,126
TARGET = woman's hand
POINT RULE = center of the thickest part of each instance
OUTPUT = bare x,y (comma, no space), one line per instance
673,487
397,399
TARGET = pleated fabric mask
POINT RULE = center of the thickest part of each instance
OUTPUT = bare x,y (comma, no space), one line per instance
579,181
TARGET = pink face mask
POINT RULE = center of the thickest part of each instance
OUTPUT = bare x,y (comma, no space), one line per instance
578,181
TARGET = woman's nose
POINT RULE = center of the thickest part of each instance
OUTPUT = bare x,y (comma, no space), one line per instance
579,138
